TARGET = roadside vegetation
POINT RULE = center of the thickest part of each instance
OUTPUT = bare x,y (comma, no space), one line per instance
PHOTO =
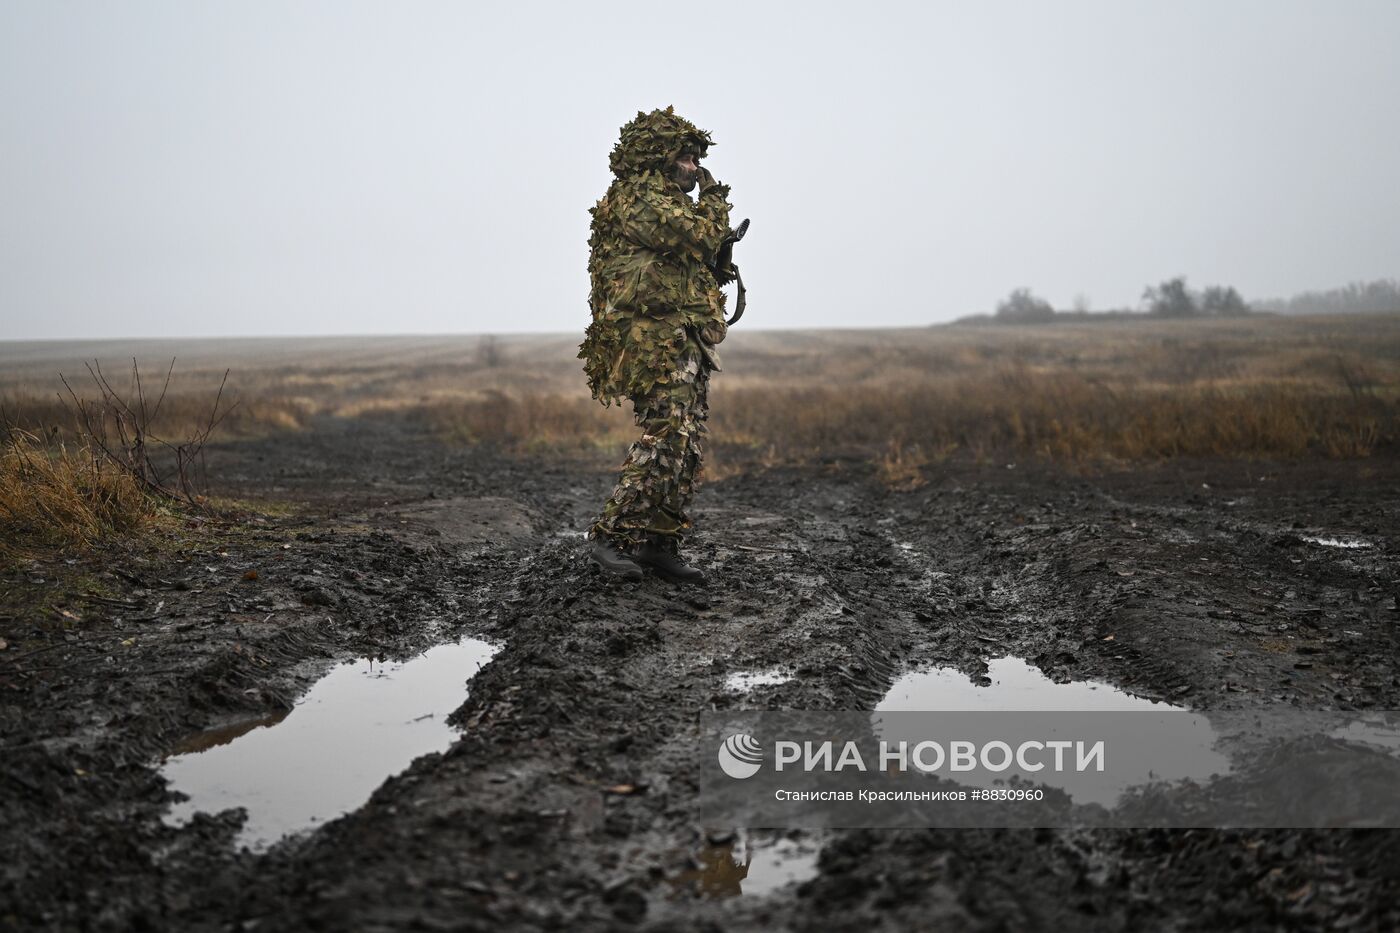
65,497
1250,388
1255,386
112,478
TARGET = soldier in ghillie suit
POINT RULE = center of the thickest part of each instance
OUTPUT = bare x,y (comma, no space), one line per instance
657,261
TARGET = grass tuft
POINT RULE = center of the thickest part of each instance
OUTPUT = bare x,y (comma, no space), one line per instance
64,496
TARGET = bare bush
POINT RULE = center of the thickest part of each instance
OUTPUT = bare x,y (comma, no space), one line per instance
120,427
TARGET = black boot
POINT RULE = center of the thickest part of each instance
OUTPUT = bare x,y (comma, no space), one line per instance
609,558
668,564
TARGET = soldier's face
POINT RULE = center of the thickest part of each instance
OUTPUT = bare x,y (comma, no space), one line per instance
685,170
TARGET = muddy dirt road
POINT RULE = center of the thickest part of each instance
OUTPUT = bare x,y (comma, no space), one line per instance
567,800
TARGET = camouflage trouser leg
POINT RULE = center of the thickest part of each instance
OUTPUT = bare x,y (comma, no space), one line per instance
658,478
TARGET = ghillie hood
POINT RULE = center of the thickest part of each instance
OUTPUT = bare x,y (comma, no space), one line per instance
652,140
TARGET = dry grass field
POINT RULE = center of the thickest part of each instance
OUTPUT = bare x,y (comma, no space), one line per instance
1076,393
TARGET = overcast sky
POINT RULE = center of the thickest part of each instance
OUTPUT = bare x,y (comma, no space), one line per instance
309,168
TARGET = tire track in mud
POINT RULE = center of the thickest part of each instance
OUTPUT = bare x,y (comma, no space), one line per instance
953,591
1057,583
568,802
598,687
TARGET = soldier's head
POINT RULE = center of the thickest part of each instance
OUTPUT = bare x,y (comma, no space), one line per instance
661,141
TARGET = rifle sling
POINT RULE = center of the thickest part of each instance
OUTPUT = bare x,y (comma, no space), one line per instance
739,299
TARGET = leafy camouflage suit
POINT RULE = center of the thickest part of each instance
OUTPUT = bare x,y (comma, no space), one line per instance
657,315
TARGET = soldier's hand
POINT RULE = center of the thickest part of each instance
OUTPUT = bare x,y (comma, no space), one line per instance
706,179
724,258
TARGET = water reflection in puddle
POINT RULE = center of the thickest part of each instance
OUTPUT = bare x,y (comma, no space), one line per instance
744,681
1015,685
1337,542
1376,730
749,865
357,726
212,738
1185,746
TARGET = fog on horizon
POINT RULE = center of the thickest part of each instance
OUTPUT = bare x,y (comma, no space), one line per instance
174,169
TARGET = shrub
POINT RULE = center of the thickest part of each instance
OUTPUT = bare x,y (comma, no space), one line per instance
65,496
1023,307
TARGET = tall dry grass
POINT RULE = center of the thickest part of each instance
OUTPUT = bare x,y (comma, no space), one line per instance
181,414
64,496
1056,416
1265,388
1098,390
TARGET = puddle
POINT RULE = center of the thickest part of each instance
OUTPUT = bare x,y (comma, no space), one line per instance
1187,749
748,865
1337,542
744,681
1015,685
781,864
357,726
1375,731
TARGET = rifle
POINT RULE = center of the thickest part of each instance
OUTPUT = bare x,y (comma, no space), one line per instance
725,271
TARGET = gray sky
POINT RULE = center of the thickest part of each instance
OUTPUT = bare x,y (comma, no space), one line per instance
304,168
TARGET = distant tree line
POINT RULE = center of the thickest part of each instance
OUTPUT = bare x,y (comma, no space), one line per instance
1171,298
1358,297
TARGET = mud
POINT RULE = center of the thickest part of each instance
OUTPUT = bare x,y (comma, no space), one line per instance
567,802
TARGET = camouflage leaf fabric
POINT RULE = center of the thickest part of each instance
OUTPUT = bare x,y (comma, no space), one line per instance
653,297
658,479
657,315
